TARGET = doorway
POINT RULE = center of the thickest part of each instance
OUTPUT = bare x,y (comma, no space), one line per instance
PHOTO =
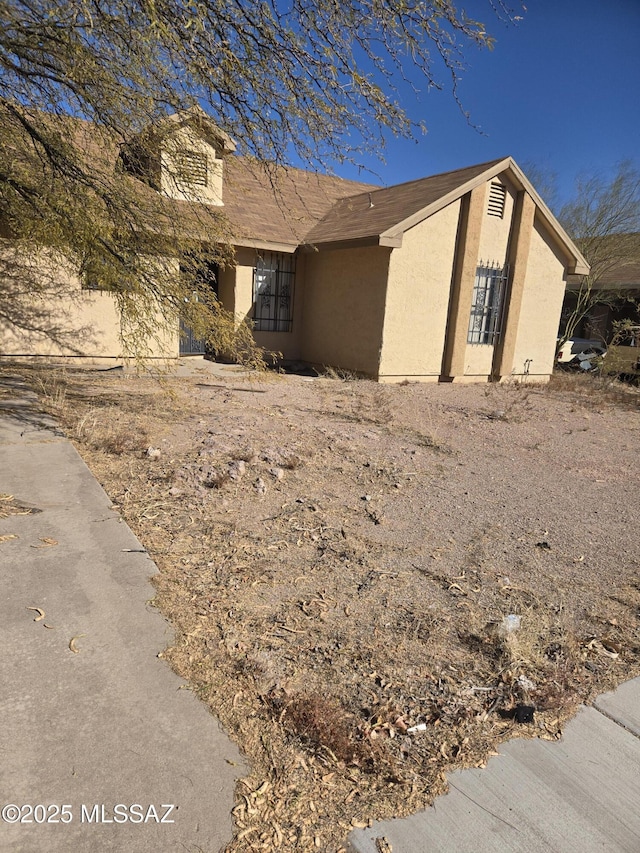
206,277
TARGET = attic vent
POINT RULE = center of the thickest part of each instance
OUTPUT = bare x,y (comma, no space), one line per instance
497,196
191,168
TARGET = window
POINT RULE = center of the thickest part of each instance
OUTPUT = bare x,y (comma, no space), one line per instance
273,278
486,308
191,168
497,197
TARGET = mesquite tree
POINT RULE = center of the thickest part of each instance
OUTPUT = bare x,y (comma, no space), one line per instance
81,78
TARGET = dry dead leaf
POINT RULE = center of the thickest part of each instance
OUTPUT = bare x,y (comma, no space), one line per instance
46,542
72,643
7,536
261,790
39,611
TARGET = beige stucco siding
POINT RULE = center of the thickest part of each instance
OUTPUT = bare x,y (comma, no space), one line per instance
344,300
478,360
415,320
227,288
492,249
70,322
243,283
541,307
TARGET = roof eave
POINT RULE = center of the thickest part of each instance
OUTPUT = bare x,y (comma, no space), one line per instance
354,242
579,269
265,245
578,264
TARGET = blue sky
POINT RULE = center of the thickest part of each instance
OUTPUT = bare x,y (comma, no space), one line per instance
561,89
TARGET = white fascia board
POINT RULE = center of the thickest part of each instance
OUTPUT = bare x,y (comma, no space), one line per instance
580,265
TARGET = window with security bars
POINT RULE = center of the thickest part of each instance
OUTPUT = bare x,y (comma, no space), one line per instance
273,280
486,308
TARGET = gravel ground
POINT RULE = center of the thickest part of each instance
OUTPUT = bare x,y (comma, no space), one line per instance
373,584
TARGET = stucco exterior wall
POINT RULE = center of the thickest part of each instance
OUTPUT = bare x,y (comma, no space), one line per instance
420,273
344,305
76,323
478,360
227,288
541,307
243,283
492,249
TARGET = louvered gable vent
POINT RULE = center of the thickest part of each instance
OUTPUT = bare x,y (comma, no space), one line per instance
192,168
497,197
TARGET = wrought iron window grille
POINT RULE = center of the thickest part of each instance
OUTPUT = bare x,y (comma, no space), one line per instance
485,322
273,286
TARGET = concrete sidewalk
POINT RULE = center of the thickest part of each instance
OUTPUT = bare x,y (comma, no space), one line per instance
579,795
105,725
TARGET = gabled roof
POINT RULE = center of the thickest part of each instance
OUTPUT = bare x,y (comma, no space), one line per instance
615,264
383,215
383,211
196,118
624,277
282,208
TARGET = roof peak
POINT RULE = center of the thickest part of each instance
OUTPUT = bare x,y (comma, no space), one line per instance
482,166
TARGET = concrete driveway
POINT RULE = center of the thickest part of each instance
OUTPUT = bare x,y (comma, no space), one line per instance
100,749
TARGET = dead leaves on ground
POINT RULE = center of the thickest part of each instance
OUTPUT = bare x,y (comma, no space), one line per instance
304,599
72,644
41,615
10,506
46,542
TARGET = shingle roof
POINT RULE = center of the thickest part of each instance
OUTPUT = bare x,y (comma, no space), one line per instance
266,203
372,213
623,262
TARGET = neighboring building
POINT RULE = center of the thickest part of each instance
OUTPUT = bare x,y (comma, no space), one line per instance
456,277
615,296
613,315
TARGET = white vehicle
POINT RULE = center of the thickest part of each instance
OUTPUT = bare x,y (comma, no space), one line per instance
581,354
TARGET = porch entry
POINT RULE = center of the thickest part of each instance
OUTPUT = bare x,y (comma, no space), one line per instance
189,343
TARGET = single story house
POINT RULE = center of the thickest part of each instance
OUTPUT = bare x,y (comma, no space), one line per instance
455,277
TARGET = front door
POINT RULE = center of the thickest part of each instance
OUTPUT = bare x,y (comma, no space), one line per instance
189,343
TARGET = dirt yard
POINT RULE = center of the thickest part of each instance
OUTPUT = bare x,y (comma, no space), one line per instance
373,584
